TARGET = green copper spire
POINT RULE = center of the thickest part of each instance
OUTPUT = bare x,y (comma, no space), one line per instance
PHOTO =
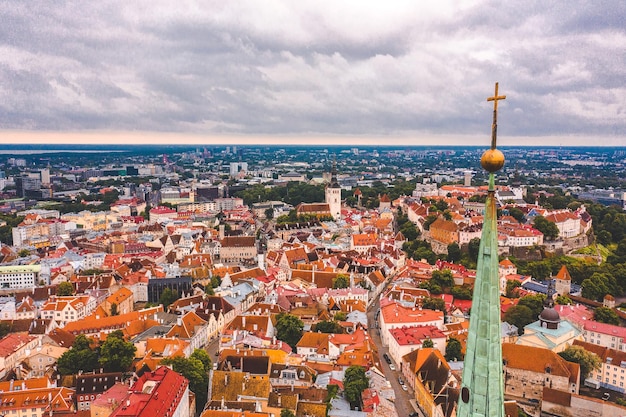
482,388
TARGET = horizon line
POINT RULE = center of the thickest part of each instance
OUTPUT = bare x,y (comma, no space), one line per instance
17,137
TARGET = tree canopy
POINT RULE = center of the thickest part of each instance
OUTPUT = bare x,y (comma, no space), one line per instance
81,357
588,361
519,316
326,326
354,382
453,350
549,229
289,329
168,296
116,355
65,288
606,315
341,281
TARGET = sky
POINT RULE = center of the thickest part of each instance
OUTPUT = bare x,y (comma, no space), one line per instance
320,72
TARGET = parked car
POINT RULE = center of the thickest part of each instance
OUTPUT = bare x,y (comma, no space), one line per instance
606,396
387,358
392,367
414,414
400,380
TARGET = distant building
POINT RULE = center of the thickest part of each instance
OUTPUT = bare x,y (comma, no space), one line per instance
19,276
156,286
333,195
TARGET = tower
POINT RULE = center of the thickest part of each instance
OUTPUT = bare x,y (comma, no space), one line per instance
467,178
563,282
333,194
482,386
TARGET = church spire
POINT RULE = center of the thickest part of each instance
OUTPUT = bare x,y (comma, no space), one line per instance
482,387
334,183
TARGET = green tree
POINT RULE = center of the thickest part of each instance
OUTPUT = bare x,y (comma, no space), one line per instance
432,303
285,412
23,253
511,288
289,329
517,214
519,316
80,357
194,370
5,329
461,292
606,315
326,326
269,213
168,296
473,247
549,229
340,316
216,281
116,355
604,237
203,357
341,281
430,219
453,350
409,230
454,252
599,285
428,343
588,361
332,390
65,288
563,300
444,278
114,309
354,382
534,303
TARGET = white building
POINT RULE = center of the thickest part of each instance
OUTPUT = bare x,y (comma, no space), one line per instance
19,276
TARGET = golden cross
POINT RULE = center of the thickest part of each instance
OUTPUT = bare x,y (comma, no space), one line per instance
494,125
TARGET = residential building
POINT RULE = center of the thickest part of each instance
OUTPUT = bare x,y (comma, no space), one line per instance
36,402
14,347
162,393
606,335
404,340
395,315
91,386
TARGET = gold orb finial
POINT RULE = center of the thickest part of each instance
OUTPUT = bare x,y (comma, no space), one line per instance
492,160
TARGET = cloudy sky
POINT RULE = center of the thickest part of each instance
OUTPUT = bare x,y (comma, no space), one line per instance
363,71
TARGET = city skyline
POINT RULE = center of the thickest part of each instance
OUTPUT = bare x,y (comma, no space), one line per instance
320,72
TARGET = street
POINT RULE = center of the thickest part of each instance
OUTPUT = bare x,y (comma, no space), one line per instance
403,398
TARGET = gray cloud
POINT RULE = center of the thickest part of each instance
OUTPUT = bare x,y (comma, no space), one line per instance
313,67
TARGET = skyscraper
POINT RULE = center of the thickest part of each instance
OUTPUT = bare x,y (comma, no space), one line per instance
482,387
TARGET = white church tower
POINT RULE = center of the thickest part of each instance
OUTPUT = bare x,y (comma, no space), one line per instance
333,194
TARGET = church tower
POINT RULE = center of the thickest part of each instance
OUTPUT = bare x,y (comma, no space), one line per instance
482,386
333,194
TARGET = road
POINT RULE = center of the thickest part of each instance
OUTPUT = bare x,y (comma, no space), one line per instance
403,398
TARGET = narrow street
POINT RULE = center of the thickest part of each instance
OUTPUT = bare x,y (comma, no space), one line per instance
403,398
